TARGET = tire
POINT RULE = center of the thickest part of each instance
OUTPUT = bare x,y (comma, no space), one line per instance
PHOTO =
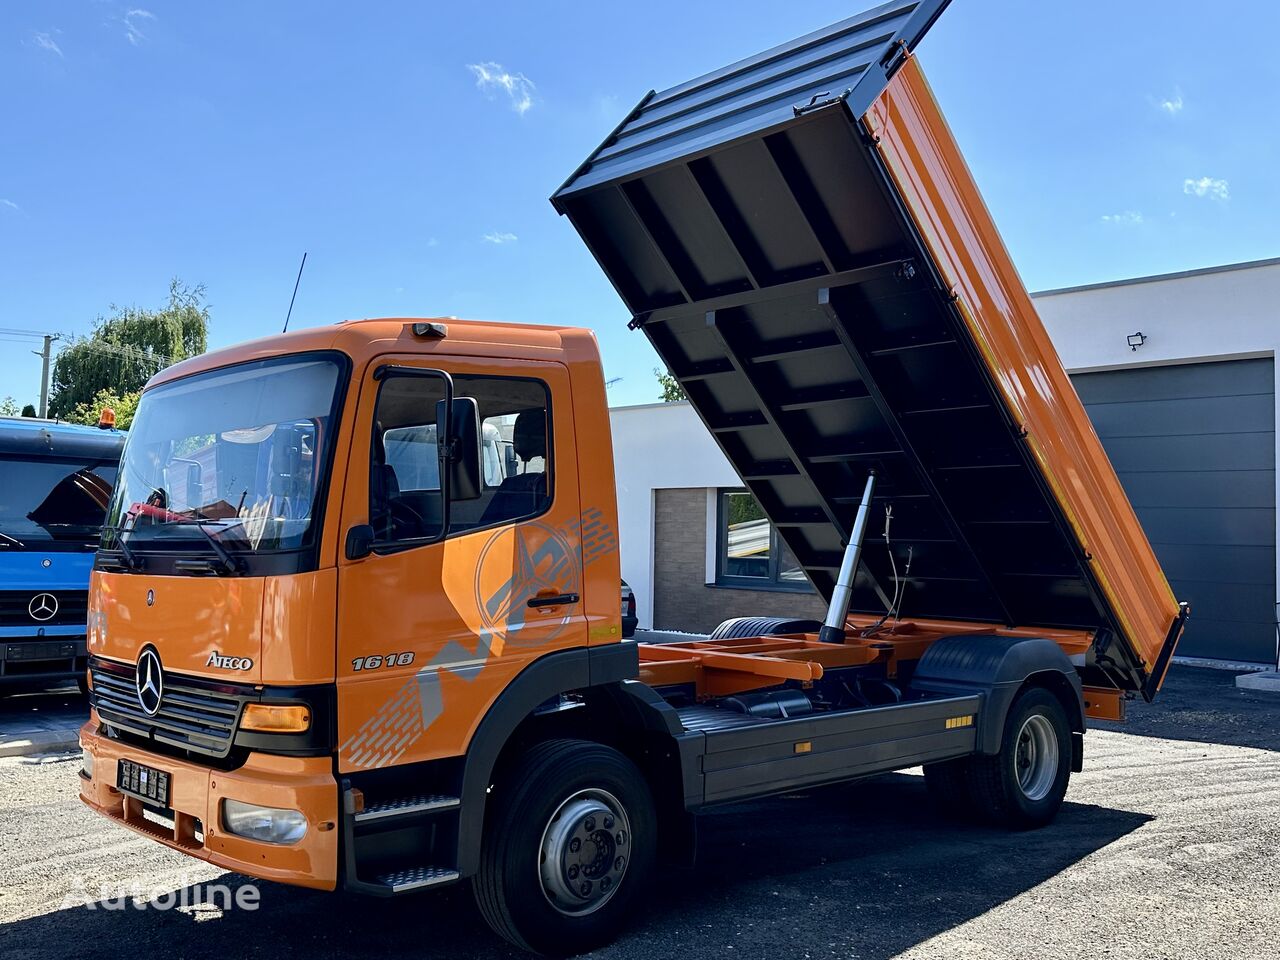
742,627
82,684
556,792
1022,789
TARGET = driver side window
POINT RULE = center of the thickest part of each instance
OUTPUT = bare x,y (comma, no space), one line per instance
405,501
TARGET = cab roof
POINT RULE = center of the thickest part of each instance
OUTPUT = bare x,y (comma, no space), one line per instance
32,437
364,339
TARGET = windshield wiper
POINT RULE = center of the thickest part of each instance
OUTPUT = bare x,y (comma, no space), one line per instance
9,541
228,564
127,557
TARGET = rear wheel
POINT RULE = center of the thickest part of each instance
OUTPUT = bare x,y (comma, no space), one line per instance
1022,786
568,846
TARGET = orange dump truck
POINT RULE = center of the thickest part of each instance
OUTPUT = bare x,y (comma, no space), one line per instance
355,620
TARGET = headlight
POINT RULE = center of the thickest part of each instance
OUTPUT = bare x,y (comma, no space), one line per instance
268,824
86,763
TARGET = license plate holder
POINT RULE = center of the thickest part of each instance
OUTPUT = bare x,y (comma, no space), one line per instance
144,782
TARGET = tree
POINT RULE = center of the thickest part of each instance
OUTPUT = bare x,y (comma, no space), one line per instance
672,392
29,410
123,405
127,348
8,407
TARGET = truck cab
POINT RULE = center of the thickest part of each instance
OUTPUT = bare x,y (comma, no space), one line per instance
58,479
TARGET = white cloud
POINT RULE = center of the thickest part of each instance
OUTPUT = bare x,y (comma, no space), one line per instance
46,42
1130,218
1171,105
1207,187
9,203
132,20
492,78
499,238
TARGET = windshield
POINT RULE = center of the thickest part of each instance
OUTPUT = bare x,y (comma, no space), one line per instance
53,504
237,452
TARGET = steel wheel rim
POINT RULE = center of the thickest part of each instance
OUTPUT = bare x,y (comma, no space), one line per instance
1035,757
585,852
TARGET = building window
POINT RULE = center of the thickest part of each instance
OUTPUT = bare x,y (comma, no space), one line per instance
749,551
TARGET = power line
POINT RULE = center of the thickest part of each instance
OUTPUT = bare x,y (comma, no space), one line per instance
119,350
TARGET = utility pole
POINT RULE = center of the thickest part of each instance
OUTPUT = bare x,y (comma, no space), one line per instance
44,356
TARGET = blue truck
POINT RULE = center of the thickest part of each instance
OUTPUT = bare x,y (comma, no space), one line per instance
55,481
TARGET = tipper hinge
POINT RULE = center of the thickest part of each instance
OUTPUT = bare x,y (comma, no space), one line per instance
897,54
638,321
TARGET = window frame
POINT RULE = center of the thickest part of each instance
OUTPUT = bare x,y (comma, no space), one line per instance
386,547
771,583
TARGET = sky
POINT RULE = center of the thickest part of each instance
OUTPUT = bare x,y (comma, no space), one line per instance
409,149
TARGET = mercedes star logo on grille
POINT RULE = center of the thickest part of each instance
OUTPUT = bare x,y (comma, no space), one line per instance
150,681
43,606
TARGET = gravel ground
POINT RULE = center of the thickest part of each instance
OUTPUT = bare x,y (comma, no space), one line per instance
1167,847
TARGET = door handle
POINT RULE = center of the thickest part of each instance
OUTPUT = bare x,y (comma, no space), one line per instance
553,600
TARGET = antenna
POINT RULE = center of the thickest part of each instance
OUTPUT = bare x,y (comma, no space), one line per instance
295,292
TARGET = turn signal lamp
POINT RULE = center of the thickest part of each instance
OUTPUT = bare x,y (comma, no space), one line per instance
268,718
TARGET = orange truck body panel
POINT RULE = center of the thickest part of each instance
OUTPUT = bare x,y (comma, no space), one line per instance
943,201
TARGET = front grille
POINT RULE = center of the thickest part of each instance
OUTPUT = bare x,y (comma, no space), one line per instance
15,608
195,715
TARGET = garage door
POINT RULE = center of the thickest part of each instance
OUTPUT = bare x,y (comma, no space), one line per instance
1194,446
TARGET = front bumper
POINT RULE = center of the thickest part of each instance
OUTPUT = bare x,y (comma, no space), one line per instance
195,797
37,660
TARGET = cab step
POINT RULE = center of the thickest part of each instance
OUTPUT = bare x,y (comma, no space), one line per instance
407,807
415,878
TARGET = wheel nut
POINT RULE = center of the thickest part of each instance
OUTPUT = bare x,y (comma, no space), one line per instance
608,823
621,838
619,863
575,845
585,889
605,883
589,824
572,872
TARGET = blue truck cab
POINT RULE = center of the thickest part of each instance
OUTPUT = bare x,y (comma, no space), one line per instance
55,481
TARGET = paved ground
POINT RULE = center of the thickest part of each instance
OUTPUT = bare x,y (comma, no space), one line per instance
1167,847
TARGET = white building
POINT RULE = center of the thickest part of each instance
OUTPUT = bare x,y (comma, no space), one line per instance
1178,374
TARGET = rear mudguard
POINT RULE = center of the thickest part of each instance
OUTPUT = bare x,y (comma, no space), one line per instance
998,668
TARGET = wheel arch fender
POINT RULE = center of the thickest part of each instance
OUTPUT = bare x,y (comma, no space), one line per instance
999,668
568,671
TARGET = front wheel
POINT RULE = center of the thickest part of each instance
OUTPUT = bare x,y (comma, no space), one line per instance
568,846
1022,786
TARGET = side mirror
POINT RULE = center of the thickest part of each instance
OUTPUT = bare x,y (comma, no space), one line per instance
461,454
195,485
359,541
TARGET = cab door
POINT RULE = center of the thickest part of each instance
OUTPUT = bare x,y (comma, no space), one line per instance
453,600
